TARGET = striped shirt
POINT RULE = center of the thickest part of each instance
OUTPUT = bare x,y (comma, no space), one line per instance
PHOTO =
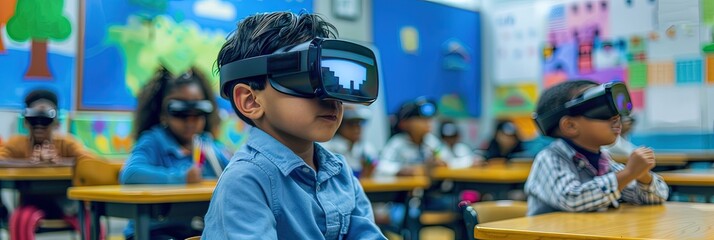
563,180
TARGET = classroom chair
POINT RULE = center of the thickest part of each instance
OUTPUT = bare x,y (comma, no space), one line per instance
96,172
194,238
491,211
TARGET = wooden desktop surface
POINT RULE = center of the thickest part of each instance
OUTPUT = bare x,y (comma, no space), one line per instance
36,173
669,221
390,184
689,177
144,193
498,173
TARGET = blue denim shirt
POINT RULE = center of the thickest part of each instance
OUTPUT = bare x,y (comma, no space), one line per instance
157,158
268,192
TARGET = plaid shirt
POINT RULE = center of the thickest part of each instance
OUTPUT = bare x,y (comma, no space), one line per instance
562,179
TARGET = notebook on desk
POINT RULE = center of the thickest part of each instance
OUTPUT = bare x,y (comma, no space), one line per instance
26,163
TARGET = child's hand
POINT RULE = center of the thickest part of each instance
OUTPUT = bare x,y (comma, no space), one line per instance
436,162
194,175
641,161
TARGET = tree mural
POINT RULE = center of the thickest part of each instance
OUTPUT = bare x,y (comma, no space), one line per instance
7,8
38,21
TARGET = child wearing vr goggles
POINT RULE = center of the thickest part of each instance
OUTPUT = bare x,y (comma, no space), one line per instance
571,174
42,145
412,146
286,75
173,115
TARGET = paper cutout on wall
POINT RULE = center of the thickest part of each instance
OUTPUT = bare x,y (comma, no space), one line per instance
455,55
637,49
629,17
660,73
451,106
637,75
557,31
666,48
587,20
708,12
677,13
637,97
515,99
409,39
553,78
688,71
710,68
517,45
105,136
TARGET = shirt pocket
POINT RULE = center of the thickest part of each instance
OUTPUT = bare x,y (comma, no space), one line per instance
344,224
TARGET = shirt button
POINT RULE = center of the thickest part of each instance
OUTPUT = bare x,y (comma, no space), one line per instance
305,170
318,187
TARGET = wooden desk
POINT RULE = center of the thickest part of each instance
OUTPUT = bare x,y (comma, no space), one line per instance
497,179
669,221
393,184
691,181
36,179
143,203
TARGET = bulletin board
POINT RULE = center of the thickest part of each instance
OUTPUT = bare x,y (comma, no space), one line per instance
126,41
431,50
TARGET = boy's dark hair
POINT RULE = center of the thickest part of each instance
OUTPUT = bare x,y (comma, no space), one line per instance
150,101
263,34
554,99
39,94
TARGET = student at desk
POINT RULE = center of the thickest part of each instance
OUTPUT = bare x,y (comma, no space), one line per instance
411,147
41,145
505,143
572,174
173,124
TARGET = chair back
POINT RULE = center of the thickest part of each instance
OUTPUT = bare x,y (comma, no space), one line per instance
500,210
470,218
93,172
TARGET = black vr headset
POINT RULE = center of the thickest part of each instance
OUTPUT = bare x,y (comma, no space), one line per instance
421,107
602,102
183,109
323,68
39,117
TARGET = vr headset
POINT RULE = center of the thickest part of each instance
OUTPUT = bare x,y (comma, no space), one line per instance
323,68
183,109
602,102
421,107
39,117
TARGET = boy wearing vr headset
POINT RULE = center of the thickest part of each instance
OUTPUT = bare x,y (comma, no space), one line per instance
41,145
571,174
287,76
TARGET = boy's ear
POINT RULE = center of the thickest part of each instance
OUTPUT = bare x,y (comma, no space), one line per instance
568,127
246,101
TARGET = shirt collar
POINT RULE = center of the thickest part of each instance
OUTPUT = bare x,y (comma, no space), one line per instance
581,161
285,159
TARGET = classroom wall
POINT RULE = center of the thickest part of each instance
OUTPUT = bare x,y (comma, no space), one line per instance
668,75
